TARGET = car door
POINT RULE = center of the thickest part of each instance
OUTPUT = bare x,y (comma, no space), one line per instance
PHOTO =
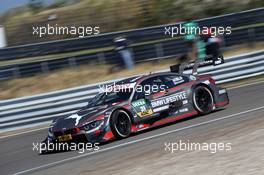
172,97
145,95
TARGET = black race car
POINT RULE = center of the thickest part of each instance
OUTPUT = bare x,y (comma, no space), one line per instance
138,103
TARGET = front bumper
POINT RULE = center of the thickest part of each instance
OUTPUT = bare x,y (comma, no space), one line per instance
95,138
82,136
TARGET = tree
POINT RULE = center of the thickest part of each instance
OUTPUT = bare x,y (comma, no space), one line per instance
35,5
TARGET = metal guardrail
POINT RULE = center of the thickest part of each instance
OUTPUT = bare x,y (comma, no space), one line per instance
238,19
41,109
150,43
146,52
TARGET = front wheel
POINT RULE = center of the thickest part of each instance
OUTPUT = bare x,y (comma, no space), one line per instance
203,100
120,123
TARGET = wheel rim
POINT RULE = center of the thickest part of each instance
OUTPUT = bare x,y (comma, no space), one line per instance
123,124
203,100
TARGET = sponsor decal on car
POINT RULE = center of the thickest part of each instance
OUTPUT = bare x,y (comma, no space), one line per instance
143,110
183,110
145,113
222,91
138,103
184,102
192,77
76,117
162,108
167,100
177,80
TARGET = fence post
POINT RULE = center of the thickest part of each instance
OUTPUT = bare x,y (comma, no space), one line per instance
131,50
101,58
45,67
251,36
72,62
16,72
159,50
223,42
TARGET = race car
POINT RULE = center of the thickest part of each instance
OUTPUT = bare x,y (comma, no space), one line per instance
139,103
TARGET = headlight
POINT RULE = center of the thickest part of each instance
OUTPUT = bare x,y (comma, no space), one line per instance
93,125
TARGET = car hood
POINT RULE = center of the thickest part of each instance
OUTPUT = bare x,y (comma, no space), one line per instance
79,118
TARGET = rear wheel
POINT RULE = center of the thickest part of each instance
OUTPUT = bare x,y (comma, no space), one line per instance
203,100
120,123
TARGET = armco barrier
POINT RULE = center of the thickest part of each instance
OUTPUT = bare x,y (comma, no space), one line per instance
41,109
146,52
135,36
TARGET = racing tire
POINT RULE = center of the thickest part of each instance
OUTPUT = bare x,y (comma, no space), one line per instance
120,124
203,100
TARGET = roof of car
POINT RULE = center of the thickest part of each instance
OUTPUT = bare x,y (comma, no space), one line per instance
137,78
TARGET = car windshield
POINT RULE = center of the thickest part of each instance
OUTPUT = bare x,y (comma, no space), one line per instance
110,97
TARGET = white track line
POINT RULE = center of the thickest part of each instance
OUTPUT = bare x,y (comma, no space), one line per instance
25,132
136,141
245,85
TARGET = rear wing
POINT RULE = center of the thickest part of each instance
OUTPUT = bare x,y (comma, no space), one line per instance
179,68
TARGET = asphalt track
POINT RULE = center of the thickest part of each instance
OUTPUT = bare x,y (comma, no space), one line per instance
17,155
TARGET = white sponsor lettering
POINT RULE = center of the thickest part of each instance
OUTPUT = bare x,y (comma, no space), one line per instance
169,99
183,110
184,102
222,91
161,108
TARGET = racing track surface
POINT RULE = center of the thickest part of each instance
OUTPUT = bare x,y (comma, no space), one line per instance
246,103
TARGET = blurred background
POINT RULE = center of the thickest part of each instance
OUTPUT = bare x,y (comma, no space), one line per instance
31,65
110,15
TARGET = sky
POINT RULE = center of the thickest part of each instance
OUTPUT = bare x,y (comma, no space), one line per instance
7,4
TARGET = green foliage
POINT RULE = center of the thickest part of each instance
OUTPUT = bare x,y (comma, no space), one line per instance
113,15
35,6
